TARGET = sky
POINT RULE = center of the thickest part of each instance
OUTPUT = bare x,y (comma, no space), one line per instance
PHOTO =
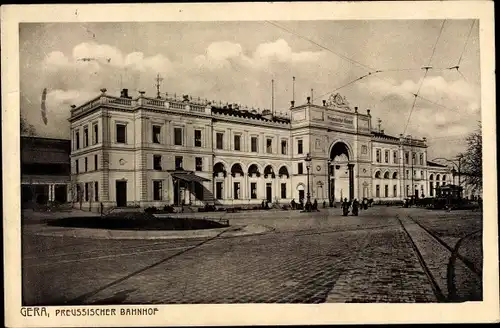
235,62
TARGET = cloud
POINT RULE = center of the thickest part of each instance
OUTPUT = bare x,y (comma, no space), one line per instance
282,52
223,54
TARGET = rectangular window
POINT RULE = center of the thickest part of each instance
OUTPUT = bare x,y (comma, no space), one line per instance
407,190
300,147
253,190
284,147
87,190
86,164
236,190
254,142
395,157
413,158
85,137
157,162
96,191
218,190
386,156
378,155
377,191
197,138
78,193
269,146
77,139
237,143
219,140
283,190
431,189
157,190
364,149
300,168
96,164
395,191
121,135
421,159
199,163
178,163
77,168
407,158
95,139
407,174
156,134
386,191
178,136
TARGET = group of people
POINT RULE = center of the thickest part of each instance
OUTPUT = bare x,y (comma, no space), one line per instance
355,206
301,206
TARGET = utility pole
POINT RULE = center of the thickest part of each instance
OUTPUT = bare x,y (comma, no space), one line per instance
312,96
293,89
158,81
272,97
412,160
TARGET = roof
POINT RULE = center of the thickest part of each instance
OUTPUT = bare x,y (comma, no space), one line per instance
383,135
248,114
433,164
38,150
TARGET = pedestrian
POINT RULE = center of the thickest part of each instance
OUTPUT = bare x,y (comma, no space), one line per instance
315,205
355,206
293,204
345,207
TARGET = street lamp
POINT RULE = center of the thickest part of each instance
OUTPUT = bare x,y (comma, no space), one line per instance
308,160
330,202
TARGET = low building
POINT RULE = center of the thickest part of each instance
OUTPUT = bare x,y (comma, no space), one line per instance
45,171
146,151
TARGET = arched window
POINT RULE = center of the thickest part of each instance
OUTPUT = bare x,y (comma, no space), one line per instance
377,175
283,172
431,177
253,169
268,171
219,168
236,169
444,177
437,177
386,175
395,175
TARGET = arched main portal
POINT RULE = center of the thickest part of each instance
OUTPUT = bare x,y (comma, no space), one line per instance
341,176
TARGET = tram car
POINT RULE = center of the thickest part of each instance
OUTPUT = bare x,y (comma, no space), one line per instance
448,197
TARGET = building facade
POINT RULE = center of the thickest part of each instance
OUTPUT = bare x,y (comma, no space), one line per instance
156,151
45,171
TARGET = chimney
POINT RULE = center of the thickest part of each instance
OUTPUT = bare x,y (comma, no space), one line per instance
368,112
308,100
382,131
124,93
293,103
324,103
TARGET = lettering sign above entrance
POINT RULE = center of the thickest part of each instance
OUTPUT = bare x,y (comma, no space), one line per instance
340,120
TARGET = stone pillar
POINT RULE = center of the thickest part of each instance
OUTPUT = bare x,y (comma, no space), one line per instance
351,181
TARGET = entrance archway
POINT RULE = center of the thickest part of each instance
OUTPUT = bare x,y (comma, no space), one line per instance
341,172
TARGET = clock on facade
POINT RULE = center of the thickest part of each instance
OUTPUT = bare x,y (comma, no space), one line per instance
122,161
318,168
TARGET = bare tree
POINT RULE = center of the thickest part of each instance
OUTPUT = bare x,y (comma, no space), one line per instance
472,160
26,128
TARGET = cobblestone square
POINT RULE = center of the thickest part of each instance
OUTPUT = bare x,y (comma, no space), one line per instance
386,254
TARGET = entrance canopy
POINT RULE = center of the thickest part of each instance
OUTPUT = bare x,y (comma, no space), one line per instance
188,176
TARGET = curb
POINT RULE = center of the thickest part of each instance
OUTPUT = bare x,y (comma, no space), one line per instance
241,230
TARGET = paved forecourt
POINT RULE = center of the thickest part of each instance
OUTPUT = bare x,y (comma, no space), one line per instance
301,258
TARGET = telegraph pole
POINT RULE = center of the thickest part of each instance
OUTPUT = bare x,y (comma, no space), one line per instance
158,81
272,97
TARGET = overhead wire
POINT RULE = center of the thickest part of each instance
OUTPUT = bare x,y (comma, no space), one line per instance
370,69
425,75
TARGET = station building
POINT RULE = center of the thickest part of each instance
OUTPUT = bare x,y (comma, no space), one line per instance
146,151
45,171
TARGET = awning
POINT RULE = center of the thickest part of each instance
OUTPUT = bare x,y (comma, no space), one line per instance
188,177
